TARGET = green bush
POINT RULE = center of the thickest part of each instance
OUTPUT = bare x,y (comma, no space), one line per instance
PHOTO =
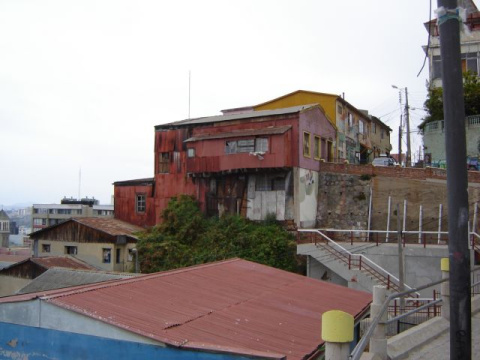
186,237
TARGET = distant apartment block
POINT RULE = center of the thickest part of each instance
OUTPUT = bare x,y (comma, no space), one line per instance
44,215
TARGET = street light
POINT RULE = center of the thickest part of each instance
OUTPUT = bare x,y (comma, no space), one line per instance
408,159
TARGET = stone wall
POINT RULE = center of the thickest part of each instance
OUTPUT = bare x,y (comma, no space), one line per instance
343,201
344,194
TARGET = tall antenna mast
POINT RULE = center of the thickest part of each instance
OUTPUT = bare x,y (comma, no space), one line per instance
189,77
79,182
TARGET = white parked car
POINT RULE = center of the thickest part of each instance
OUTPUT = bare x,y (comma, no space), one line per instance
384,161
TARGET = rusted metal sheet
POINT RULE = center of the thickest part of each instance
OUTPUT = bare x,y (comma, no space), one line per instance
125,202
33,267
235,305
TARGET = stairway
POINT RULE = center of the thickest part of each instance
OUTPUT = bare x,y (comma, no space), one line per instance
356,269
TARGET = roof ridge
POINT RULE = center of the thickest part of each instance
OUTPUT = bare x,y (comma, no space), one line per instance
119,282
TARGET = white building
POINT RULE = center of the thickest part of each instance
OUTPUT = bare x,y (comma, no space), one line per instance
44,215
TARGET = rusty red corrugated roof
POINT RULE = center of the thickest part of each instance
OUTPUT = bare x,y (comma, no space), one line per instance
110,226
235,306
61,261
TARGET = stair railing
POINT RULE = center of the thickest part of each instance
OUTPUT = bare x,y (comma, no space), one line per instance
359,261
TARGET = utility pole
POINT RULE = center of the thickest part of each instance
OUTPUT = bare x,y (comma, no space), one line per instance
457,182
408,155
400,130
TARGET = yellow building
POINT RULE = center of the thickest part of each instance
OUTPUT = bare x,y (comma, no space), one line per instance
353,141
103,243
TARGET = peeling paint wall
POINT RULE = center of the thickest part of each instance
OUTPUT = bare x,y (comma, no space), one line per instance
306,197
262,203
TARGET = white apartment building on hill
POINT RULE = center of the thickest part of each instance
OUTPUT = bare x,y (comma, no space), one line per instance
44,215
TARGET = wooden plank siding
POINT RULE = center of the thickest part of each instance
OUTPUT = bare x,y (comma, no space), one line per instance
72,231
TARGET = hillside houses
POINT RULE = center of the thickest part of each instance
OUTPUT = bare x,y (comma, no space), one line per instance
253,161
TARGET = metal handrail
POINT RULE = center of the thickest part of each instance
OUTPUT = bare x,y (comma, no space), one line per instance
388,276
358,350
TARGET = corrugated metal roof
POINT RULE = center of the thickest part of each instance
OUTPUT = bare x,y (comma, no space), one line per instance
239,133
235,305
110,226
61,261
145,181
57,278
230,117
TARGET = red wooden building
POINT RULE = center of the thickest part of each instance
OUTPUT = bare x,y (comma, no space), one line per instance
251,163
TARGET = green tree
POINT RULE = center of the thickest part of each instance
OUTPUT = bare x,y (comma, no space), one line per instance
186,237
471,93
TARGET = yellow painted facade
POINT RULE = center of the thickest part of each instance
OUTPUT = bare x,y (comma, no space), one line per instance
92,253
327,102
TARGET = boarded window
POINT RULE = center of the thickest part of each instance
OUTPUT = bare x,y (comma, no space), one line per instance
164,163
246,146
269,182
261,145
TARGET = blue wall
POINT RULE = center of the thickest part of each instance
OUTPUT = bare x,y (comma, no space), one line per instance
36,343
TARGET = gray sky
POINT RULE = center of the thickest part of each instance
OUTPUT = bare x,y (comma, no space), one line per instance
83,83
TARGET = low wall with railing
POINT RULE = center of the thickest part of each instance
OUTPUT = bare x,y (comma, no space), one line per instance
393,171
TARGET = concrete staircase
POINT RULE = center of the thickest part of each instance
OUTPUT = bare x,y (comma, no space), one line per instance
349,263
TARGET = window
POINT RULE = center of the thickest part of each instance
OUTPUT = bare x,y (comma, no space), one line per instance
350,119
118,258
46,248
306,144
261,145
268,182
246,146
339,109
131,254
374,128
140,203
361,127
164,162
231,147
382,134
191,152
469,62
317,150
71,250
106,255
437,67
64,211
40,222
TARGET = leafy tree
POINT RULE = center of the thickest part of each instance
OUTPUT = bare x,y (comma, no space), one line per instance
186,237
434,103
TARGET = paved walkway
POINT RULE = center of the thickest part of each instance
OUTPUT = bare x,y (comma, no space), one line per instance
439,348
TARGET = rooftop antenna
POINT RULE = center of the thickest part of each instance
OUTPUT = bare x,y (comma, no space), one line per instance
79,182
189,78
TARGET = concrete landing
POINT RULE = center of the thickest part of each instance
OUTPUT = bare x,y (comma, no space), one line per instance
431,340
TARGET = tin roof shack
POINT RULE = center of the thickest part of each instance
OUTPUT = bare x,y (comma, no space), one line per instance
251,163
232,309
103,243
16,276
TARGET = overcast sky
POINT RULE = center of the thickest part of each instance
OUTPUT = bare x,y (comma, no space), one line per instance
83,83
